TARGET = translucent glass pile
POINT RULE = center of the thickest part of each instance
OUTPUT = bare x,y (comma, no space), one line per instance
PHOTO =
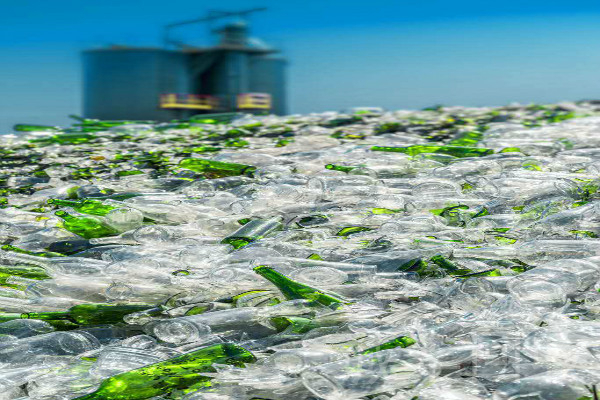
448,253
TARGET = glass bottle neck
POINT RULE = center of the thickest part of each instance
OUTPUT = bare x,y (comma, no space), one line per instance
47,315
65,215
272,275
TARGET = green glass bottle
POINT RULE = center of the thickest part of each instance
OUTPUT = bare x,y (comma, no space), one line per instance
293,290
216,169
252,231
85,206
91,314
444,263
65,138
15,249
341,168
293,325
24,271
351,230
179,373
5,317
97,123
455,151
86,227
34,128
400,341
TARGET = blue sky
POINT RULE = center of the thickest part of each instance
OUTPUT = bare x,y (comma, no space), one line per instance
395,54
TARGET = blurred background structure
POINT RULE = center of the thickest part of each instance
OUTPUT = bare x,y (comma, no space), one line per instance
341,53
179,80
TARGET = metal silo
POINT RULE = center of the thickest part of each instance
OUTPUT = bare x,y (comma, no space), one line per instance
236,74
126,83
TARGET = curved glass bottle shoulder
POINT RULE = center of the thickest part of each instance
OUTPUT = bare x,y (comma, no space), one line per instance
216,169
85,206
176,373
87,227
296,290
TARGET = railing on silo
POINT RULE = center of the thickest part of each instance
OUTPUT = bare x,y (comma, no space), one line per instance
188,101
254,101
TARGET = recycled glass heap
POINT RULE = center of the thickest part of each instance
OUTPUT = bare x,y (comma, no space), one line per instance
444,253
